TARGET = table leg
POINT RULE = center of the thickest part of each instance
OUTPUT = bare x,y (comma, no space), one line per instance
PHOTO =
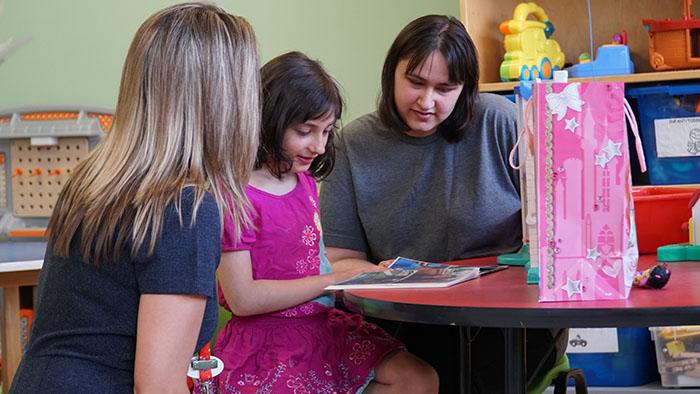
515,371
465,365
11,346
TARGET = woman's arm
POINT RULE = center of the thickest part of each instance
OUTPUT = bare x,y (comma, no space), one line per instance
166,335
247,296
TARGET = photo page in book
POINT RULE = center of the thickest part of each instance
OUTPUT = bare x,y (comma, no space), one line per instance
410,274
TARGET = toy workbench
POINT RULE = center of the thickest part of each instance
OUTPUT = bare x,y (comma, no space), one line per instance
39,148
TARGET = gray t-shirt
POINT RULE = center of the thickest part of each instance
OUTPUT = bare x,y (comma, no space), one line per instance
391,194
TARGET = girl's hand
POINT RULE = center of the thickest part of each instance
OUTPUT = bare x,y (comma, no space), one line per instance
339,276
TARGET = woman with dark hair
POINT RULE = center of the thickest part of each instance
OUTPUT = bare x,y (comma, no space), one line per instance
427,177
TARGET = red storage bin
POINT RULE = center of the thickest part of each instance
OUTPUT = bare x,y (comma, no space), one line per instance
661,214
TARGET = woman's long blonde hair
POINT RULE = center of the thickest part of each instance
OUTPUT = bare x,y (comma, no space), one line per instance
188,114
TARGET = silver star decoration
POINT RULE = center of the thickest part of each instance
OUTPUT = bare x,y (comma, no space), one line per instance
613,149
571,125
593,254
572,287
601,160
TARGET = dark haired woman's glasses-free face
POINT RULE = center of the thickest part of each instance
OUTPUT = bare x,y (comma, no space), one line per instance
426,96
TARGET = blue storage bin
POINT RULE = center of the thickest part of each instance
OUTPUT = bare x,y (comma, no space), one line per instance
633,365
673,151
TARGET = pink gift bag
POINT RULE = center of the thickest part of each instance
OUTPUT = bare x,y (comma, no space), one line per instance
579,213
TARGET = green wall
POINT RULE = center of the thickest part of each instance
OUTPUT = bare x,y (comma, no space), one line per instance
77,48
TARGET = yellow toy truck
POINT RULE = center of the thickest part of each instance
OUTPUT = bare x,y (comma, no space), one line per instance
530,53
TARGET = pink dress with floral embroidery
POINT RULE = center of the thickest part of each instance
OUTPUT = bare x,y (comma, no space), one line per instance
309,348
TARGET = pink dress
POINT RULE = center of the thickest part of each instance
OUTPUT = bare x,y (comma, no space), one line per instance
308,348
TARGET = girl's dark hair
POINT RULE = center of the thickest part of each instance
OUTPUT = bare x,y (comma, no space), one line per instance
295,89
416,42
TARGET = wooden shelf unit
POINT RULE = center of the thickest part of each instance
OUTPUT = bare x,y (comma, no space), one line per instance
570,19
631,78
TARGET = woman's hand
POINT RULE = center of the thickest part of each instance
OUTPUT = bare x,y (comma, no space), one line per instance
386,263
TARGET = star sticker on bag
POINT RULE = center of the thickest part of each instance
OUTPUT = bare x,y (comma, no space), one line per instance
572,287
593,254
571,125
601,160
612,150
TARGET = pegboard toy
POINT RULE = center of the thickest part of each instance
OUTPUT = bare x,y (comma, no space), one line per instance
38,150
674,44
530,53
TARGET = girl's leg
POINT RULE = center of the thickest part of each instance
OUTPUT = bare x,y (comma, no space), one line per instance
402,372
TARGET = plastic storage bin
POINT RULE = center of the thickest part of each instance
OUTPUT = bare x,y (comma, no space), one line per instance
678,355
632,365
661,215
669,120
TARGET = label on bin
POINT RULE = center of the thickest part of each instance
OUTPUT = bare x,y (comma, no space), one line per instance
592,340
677,137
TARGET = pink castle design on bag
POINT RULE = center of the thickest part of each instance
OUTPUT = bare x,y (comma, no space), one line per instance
585,242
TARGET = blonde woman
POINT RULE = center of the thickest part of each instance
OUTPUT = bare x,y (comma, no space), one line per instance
127,292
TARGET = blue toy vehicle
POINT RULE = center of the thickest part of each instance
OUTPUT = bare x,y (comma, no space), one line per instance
611,59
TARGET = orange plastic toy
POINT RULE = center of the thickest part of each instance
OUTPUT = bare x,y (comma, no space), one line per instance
674,44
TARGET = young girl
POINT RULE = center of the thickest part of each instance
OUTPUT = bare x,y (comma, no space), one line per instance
285,335
128,290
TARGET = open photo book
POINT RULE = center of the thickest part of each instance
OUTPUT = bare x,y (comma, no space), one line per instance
409,273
